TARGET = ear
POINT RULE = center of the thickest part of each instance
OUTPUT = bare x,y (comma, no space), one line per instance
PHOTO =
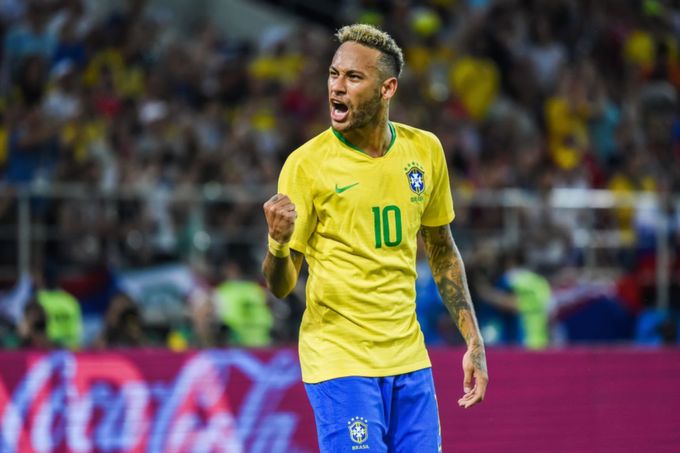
389,88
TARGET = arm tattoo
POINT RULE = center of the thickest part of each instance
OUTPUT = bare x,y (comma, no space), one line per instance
449,274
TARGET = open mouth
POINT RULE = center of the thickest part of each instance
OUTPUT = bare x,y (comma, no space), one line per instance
339,111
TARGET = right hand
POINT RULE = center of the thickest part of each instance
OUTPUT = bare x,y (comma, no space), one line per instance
280,214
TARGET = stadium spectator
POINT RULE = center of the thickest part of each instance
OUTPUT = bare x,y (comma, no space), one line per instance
28,38
64,323
523,293
123,327
119,99
32,144
33,328
242,306
206,329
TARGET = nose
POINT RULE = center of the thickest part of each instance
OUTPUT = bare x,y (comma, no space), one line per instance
336,84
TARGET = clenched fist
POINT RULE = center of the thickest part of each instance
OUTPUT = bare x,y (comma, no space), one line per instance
280,213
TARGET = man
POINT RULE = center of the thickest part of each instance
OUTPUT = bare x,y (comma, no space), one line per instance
351,201
521,293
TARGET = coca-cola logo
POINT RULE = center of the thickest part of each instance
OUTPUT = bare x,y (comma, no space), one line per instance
104,403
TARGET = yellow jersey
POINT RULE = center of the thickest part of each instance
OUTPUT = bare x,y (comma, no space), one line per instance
357,225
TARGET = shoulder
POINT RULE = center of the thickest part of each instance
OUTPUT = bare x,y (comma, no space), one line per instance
420,136
312,149
424,146
304,160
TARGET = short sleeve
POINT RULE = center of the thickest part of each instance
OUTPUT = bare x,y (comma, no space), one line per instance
439,210
295,182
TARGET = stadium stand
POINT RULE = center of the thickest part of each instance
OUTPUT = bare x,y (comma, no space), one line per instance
136,150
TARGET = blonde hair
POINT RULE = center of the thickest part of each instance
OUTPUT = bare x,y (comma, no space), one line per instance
392,58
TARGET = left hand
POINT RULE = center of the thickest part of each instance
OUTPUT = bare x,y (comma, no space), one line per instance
474,368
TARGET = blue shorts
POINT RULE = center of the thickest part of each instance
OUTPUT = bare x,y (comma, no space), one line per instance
377,414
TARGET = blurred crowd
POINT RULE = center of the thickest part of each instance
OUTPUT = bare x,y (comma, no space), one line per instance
129,119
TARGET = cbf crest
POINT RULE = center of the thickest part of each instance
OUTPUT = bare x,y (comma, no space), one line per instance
358,429
415,173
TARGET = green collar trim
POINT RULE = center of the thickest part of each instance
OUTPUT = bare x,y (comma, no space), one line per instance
393,132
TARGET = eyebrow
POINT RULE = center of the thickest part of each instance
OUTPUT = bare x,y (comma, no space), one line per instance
349,71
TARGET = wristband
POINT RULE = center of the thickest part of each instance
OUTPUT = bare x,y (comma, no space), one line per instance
278,249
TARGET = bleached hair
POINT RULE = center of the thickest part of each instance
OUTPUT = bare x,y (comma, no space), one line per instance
392,59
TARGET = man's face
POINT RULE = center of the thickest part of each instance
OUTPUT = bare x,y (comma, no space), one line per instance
354,87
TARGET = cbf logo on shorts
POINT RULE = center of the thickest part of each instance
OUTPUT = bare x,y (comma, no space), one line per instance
358,432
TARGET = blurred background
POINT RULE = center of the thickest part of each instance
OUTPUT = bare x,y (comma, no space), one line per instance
139,139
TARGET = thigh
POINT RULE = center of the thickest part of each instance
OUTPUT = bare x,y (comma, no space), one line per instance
414,417
349,414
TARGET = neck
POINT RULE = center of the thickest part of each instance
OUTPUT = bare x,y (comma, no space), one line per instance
373,139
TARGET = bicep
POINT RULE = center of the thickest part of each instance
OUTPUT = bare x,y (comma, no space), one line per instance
441,249
436,238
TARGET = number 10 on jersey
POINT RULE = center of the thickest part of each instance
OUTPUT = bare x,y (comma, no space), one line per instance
387,226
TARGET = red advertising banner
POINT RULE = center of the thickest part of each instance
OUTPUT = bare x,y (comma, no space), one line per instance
573,400
154,401
253,401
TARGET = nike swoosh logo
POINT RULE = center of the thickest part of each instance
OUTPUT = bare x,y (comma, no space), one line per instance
342,189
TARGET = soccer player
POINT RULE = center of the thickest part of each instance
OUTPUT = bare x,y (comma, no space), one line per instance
351,201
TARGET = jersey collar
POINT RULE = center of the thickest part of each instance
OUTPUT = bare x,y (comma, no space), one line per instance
393,132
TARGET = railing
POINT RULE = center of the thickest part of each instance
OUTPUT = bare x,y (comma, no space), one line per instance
27,229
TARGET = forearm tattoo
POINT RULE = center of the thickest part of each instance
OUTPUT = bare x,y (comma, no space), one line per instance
449,274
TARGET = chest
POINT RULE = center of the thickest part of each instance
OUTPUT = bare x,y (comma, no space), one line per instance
365,195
